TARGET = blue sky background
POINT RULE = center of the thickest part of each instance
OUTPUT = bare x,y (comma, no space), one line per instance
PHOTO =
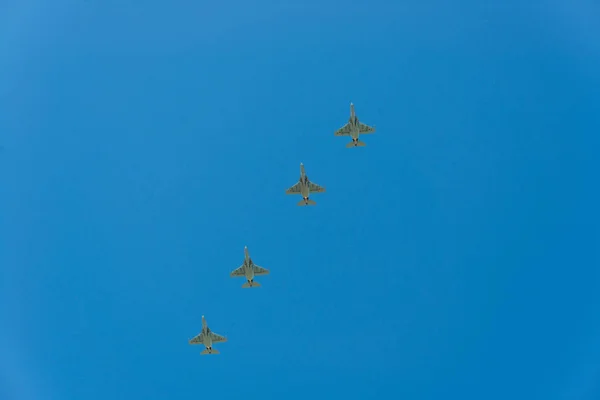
144,144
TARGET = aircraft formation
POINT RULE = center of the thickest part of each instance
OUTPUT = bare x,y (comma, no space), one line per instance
304,187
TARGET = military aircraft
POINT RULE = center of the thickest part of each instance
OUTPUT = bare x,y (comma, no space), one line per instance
354,128
305,187
207,338
249,270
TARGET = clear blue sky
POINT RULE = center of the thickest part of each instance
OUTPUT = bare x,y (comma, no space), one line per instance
144,144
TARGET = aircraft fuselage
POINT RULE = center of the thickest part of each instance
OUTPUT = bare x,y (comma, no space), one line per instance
354,124
304,186
248,266
206,339
248,270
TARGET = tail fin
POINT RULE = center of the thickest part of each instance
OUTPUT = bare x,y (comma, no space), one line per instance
212,351
248,284
358,143
308,202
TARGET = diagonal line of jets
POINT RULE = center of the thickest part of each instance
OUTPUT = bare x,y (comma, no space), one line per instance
353,128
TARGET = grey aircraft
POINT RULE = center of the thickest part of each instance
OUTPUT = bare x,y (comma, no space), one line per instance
249,270
305,188
207,338
354,128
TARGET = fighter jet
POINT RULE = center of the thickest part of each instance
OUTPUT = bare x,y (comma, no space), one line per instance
305,187
249,270
354,128
207,338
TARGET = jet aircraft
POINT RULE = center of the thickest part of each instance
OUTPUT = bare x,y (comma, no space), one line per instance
354,128
249,270
305,187
207,338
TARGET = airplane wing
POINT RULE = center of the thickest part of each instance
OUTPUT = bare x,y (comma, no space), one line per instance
237,272
217,338
343,131
365,129
260,270
294,189
314,188
199,339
